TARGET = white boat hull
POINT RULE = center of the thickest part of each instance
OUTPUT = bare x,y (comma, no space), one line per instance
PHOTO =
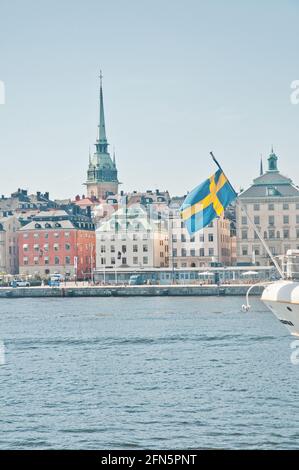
282,298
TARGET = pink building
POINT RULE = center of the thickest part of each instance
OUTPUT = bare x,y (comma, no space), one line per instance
57,242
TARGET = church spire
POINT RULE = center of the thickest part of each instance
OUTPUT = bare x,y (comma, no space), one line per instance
102,177
102,144
261,166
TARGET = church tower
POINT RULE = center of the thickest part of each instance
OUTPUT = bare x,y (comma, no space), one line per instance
102,172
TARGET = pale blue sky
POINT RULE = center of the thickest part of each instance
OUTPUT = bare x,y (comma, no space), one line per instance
180,79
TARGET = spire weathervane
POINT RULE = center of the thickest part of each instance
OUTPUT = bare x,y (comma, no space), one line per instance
101,77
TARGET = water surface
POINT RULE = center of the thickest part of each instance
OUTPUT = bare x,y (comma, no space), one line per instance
155,372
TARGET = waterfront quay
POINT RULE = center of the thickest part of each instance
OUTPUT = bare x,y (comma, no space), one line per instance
130,291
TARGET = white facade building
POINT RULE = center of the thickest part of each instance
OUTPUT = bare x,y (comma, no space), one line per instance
130,239
272,203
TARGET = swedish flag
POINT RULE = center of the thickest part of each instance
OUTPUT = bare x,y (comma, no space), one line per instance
207,201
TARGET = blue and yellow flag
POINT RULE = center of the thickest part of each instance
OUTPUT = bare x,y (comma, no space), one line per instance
207,201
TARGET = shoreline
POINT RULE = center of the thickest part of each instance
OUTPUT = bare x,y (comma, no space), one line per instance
129,291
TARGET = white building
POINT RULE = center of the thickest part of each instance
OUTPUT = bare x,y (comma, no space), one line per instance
130,239
212,244
9,259
272,203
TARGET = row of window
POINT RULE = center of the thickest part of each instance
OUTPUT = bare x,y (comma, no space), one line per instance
136,227
258,250
271,206
181,224
183,238
271,234
271,220
124,248
45,260
46,234
192,252
57,260
45,247
124,236
143,260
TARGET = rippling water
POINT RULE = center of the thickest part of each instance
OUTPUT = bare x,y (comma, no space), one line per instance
145,373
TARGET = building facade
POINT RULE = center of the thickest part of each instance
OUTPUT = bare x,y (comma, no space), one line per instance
102,178
57,242
272,203
210,245
129,239
9,258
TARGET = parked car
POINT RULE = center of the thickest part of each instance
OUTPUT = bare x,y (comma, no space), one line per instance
55,280
19,283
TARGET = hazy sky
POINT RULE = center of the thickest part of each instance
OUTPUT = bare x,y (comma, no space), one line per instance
181,78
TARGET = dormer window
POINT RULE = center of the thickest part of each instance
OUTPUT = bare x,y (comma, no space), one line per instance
272,191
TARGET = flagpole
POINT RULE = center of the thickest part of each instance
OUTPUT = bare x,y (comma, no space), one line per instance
262,240
220,168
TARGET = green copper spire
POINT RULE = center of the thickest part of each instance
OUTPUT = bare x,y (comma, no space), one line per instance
102,144
272,161
102,172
